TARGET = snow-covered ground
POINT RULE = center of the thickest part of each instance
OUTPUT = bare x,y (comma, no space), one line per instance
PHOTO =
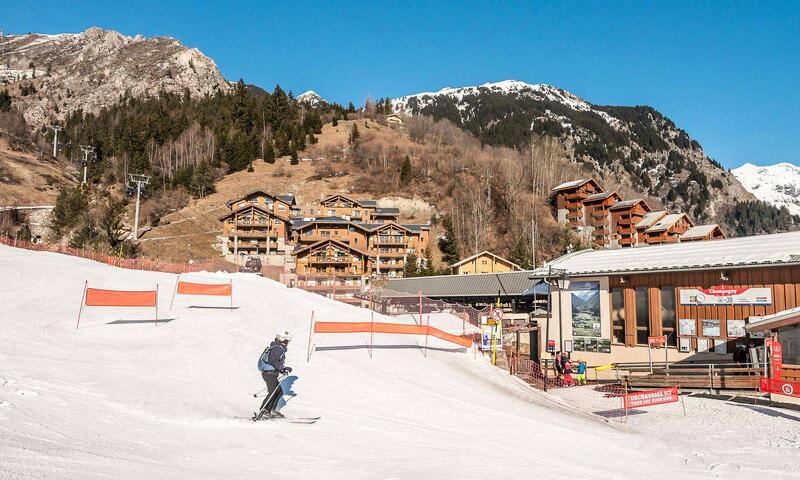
132,400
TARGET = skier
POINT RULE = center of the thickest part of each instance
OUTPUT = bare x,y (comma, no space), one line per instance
271,365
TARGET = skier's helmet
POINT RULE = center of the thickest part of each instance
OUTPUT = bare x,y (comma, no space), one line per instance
283,337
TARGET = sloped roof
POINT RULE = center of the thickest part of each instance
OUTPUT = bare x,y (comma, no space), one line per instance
251,192
416,227
776,320
700,231
245,207
478,285
667,221
629,204
323,220
387,211
600,196
362,203
574,184
485,252
330,240
287,198
651,218
740,252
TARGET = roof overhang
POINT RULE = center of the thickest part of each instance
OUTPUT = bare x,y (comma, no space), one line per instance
776,320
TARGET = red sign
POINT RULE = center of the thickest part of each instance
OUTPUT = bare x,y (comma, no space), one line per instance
657,341
777,359
551,346
772,385
651,397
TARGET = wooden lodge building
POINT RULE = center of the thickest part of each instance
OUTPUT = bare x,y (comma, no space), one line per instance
369,237
702,295
607,221
483,262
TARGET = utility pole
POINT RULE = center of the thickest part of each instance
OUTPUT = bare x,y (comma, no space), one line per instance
140,181
57,129
86,151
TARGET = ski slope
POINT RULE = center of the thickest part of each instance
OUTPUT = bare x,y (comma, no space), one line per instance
135,400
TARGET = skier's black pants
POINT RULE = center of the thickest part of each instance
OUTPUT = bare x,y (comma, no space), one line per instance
271,379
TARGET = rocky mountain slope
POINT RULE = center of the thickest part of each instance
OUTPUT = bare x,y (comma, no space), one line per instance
55,75
777,184
625,147
311,98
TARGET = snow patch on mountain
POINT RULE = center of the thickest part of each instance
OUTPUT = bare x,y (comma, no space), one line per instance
538,91
777,184
312,98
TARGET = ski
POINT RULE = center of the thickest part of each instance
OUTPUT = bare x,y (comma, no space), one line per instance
302,420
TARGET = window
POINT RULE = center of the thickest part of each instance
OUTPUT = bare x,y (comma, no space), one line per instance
642,315
618,315
668,315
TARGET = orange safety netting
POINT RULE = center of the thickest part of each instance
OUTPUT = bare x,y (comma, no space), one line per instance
189,288
398,328
96,297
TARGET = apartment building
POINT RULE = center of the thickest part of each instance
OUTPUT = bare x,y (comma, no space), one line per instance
258,223
606,220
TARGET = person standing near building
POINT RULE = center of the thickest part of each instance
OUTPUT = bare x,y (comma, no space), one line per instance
558,367
580,378
568,382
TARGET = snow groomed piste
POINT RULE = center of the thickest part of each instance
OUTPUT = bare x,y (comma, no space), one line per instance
126,400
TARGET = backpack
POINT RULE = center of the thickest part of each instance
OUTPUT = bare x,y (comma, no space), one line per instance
264,359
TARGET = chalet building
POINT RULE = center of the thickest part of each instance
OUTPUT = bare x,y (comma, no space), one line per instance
484,262
568,199
394,119
668,229
608,221
625,216
703,232
332,257
259,223
598,217
701,295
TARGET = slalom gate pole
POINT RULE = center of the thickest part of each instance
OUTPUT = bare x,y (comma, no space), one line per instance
625,407
310,334
80,310
371,321
680,394
156,305
174,292
420,306
427,329
231,283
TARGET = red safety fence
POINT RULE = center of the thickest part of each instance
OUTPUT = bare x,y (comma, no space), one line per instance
210,265
99,297
395,328
782,387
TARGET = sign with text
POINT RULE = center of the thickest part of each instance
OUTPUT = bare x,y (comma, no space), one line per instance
651,397
777,359
658,341
725,295
781,387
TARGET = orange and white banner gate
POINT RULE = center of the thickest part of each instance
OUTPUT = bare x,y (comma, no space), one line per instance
98,297
208,289
651,397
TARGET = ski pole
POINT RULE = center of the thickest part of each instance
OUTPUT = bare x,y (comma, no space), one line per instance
255,395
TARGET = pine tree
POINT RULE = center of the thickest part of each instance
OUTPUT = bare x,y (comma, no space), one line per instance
411,266
351,108
354,136
448,244
295,160
111,223
269,153
427,269
405,171
334,122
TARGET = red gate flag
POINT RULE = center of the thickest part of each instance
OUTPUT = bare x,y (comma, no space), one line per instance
777,359
189,288
651,397
782,387
397,328
96,297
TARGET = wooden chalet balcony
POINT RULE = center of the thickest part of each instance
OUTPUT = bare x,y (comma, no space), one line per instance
625,231
388,254
317,238
390,266
254,234
624,221
330,260
601,232
390,241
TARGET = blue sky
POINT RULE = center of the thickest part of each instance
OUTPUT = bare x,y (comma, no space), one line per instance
726,72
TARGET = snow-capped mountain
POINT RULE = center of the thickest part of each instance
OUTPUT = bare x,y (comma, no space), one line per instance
635,147
55,75
312,98
776,184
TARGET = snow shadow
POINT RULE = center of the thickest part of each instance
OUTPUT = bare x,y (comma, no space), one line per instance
387,347
617,413
212,308
127,322
286,385
767,411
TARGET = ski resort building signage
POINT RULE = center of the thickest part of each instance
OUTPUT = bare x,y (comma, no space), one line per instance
651,397
725,295
780,387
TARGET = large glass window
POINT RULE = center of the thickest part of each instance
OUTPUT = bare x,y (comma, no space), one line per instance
642,315
668,315
790,341
618,315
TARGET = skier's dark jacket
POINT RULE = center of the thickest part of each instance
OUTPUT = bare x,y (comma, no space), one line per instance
273,357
